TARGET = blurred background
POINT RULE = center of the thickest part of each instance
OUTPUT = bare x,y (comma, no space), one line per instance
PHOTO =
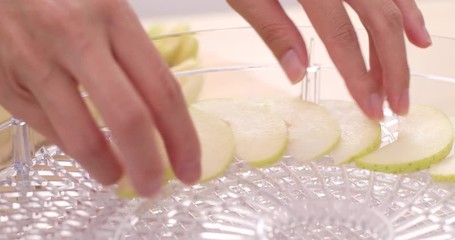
154,8
439,14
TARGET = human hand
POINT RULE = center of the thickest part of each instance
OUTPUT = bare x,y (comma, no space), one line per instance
48,49
384,20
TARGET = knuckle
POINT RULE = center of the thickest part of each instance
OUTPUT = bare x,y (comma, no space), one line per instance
343,32
170,89
89,147
82,44
416,16
132,117
43,76
113,8
65,21
392,19
273,33
109,4
57,18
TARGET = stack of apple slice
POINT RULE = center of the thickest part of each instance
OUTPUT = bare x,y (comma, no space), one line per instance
264,130
261,132
261,136
313,130
180,51
336,127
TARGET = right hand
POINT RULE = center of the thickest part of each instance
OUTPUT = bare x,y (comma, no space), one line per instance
384,20
50,48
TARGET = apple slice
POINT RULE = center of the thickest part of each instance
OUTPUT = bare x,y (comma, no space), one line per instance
6,147
313,130
260,135
174,49
4,115
217,150
444,171
191,85
359,134
124,187
217,144
425,137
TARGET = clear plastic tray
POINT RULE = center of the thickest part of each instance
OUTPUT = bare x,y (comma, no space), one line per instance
44,194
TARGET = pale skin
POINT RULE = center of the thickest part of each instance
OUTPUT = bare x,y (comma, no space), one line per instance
49,48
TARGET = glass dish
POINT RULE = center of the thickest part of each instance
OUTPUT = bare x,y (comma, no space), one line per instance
46,195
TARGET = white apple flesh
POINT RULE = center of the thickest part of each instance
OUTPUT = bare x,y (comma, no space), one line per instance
217,144
359,134
260,134
444,171
313,130
425,137
217,151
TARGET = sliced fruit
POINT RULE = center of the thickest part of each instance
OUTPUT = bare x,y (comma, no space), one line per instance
156,29
167,47
94,112
6,147
4,115
217,150
260,135
444,171
359,134
191,85
187,49
217,144
174,49
124,187
313,131
425,137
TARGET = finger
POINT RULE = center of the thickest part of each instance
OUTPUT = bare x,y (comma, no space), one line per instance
278,32
414,23
152,79
123,111
333,25
384,22
72,122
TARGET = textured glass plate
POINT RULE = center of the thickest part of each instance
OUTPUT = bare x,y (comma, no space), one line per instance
44,194
295,200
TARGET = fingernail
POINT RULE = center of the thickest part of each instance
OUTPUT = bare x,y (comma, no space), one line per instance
427,36
189,171
293,66
375,104
150,189
403,103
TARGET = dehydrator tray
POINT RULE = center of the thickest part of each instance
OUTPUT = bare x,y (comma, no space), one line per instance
44,194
